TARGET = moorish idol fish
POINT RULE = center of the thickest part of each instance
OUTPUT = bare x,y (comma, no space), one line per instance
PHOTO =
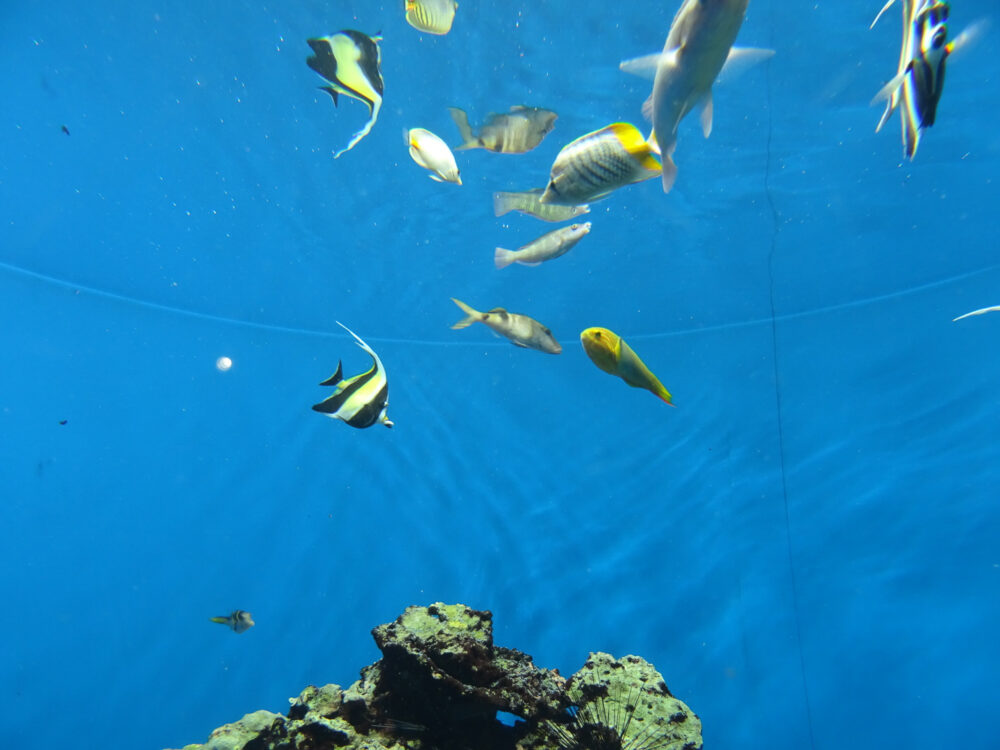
597,163
239,621
350,61
522,331
919,81
362,400
609,351
698,45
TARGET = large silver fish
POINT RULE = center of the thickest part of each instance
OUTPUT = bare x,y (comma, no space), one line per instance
362,400
597,163
699,43
516,132
522,331
919,81
350,61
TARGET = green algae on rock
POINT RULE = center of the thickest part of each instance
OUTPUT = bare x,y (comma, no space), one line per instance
440,683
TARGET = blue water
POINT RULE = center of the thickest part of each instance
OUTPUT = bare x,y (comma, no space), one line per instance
807,547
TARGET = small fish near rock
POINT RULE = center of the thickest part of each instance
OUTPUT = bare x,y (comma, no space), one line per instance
516,132
609,352
362,400
522,331
432,153
350,61
430,16
239,621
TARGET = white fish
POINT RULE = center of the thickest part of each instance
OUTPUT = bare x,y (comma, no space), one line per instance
699,43
430,152
515,132
597,163
981,311
431,16
548,246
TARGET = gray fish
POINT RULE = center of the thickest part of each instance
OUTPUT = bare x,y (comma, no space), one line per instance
597,163
239,621
548,246
529,202
514,133
520,329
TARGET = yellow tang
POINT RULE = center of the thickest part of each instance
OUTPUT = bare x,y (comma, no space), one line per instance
609,351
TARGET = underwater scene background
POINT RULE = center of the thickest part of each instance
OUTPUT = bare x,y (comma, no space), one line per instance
806,547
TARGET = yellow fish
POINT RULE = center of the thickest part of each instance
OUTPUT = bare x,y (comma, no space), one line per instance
432,16
609,351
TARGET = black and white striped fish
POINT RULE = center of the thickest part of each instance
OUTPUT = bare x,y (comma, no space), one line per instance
351,62
362,400
919,82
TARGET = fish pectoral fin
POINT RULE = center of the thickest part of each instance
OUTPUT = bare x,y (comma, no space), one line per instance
647,108
706,114
336,377
644,67
519,344
885,93
741,58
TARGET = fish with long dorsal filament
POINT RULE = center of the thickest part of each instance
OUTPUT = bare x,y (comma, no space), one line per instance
362,400
350,62
698,45
609,352
522,331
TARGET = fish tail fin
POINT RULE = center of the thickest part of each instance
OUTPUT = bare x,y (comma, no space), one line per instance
471,316
503,257
461,119
220,620
503,203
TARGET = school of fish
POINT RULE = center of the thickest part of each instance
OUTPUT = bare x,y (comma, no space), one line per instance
698,48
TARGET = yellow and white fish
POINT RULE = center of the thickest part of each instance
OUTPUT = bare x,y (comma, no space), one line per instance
430,152
609,351
548,246
431,16
516,132
522,331
597,163
239,621
919,81
362,400
529,202
351,62
699,43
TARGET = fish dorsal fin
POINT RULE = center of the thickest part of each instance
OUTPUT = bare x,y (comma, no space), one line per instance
706,114
881,12
498,311
741,58
336,377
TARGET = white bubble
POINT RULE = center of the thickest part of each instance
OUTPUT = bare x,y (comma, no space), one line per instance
223,363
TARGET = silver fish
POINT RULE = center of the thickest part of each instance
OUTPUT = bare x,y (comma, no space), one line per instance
517,132
919,81
597,163
548,246
520,329
529,202
699,43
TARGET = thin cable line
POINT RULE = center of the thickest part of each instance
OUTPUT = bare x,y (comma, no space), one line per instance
775,229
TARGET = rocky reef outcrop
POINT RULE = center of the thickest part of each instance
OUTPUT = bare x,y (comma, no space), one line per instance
440,683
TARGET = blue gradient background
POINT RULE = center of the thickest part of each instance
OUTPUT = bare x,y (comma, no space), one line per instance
807,547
